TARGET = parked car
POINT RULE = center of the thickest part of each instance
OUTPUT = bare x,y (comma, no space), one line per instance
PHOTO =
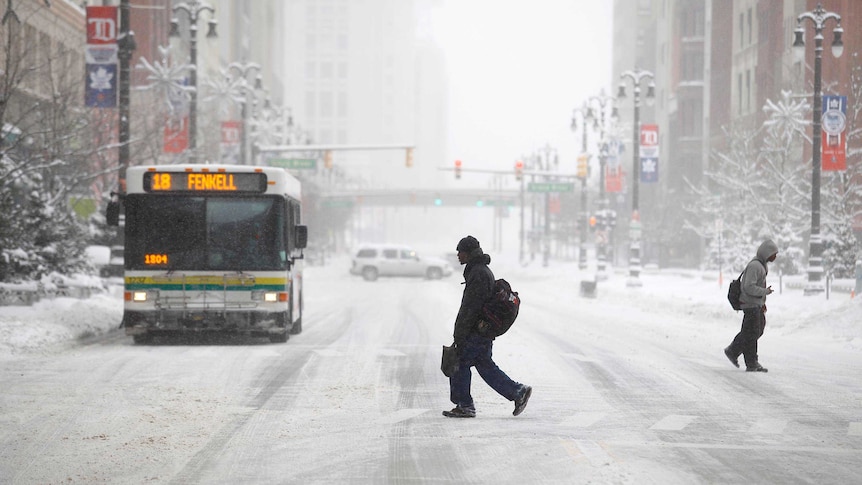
372,261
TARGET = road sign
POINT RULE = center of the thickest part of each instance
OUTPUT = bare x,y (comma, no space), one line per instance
550,187
296,163
337,203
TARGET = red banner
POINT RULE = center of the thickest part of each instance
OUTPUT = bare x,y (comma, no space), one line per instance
613,179
176,139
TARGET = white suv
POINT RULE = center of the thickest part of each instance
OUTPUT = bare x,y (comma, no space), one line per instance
392,260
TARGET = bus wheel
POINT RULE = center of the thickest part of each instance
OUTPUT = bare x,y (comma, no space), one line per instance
369,273
278,338
434,273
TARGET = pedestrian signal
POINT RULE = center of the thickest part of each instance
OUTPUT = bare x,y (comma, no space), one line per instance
327,159
409,157
519,170
457,169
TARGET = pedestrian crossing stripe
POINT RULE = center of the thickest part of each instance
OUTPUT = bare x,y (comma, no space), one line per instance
673,422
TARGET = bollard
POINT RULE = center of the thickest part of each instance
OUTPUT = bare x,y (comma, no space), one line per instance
588,288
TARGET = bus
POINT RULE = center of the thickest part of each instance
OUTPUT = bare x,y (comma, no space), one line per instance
211,249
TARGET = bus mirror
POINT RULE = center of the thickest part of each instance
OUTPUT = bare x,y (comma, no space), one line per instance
301,236
112,214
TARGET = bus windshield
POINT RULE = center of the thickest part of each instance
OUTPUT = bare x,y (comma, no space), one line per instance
205,233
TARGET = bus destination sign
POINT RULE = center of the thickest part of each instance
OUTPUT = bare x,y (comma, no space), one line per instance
205,182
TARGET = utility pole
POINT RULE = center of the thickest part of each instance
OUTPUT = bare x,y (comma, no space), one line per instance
126,45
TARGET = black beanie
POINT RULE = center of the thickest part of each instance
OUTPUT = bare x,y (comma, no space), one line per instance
467,244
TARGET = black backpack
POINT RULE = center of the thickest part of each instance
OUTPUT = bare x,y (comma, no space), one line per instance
500,311
734,291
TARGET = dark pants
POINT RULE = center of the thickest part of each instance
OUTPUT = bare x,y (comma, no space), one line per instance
745,342
476,352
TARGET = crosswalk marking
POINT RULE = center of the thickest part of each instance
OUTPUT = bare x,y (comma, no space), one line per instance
673,422
583,420
401,415
594,452
391,353
769,426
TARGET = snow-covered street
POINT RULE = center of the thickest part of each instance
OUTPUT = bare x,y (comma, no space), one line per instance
629,387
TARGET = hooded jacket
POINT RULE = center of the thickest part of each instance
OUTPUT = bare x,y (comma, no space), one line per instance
478,288
753,293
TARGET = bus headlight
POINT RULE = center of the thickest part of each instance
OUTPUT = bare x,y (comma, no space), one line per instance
269,296
139,296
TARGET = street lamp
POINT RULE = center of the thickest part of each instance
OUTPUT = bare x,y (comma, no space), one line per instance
193,9
818,17
636,76
583,172
600,103
545,164
242,71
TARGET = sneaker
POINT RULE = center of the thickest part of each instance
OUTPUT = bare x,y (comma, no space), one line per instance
459,412
756,368
521,402
733,360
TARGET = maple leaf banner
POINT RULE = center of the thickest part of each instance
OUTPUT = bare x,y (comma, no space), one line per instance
101,58
833,136
649,153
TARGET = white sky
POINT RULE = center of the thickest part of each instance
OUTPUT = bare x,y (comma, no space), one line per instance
517,69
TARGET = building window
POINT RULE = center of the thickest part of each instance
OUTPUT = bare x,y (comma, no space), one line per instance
750,29
739,93
748,91
342,70
326,108
342,104
741,30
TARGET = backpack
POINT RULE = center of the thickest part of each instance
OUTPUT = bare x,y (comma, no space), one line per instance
500,311
734,291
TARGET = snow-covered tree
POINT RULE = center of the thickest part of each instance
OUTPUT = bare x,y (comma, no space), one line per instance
757,189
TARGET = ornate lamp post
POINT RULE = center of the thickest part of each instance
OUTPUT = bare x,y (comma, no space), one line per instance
193,9
636,76
600,103
585,115
818,17
242,70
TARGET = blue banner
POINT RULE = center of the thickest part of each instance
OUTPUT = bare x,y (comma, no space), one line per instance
101,91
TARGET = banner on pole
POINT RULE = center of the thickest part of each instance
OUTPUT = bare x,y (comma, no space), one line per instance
613,179
649,153
833,136
100,56
176,137
231,138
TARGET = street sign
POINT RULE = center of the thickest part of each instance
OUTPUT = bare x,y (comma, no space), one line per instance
550,187
295,163
337,203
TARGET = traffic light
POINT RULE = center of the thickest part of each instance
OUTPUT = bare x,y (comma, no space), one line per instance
409,157
519,170
593,223
327,158
457,169
582,165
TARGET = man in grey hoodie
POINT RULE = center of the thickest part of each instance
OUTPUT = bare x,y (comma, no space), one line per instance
752,299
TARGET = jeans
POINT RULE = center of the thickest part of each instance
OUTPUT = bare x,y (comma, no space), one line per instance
745,342
476,352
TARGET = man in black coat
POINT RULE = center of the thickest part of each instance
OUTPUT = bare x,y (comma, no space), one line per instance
474,350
